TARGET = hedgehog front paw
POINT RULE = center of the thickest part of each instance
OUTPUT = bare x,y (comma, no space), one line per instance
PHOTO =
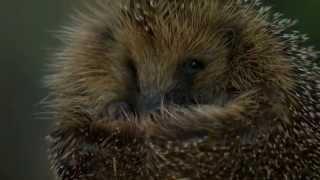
119,110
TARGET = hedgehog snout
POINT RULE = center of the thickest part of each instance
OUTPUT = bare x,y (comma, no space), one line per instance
149,103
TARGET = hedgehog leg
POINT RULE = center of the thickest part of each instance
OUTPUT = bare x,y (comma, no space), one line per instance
235,120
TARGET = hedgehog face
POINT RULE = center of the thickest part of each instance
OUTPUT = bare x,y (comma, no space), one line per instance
153,84
160,75
171,62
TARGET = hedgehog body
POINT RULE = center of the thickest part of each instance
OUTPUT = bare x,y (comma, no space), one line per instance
194,89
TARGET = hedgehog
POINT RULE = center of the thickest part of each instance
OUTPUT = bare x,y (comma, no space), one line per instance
183,89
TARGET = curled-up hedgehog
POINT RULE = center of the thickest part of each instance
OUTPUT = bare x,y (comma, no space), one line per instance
184,89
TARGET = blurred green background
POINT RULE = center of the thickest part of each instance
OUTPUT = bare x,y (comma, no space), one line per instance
27,36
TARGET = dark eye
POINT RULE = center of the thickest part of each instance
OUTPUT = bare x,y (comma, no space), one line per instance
133,72
193,66
132,67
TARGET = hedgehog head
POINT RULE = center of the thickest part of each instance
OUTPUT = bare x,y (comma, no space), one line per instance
149,54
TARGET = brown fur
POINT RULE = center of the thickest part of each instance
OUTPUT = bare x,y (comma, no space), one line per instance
247,92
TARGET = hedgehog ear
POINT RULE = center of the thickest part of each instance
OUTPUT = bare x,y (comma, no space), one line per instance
232,41
231,38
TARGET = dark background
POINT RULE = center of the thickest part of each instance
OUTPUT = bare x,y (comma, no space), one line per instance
26,38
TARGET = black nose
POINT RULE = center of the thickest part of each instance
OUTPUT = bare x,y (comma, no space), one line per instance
149,103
